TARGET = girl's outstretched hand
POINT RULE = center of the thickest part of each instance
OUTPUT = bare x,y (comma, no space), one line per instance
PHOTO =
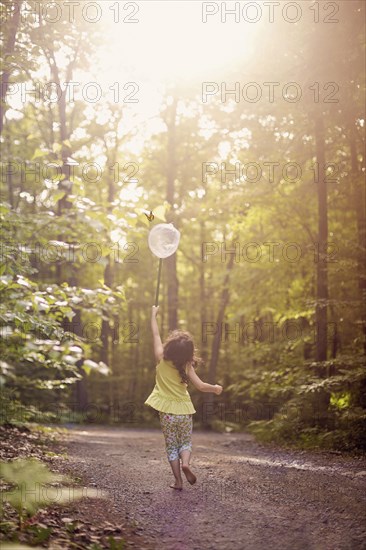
154,310
218,389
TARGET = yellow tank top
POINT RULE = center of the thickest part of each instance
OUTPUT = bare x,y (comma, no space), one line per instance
169,394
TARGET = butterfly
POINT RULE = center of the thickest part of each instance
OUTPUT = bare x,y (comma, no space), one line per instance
150,216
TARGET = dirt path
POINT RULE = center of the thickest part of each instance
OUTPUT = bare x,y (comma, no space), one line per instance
247,496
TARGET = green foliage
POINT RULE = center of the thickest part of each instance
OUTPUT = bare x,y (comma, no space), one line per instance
34,486
14,411
30,478
303,420
38,333
39,534
116,544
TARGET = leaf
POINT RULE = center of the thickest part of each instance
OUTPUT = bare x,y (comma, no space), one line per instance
100,367
58,195
5,368
56,147
39,153
132,221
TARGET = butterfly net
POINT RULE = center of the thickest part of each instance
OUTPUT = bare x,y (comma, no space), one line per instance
163,240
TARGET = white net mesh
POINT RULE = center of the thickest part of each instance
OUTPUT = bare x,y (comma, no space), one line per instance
163,240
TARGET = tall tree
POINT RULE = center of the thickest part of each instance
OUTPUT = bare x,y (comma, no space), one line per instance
322,271
171,262
15,9
215,348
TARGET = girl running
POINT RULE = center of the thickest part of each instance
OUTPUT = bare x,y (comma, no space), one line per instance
176,366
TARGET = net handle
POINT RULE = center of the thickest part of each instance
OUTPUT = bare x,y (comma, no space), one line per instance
158,284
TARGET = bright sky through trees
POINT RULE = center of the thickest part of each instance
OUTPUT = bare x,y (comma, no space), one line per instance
169,45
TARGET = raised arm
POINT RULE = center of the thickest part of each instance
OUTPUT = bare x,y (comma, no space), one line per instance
158,346
200,385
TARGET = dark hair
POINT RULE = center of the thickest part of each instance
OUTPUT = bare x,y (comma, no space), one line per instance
179,348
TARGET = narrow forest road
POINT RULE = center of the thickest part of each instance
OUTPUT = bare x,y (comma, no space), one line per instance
247,497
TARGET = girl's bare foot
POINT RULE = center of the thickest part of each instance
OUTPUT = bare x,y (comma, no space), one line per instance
191,478
176,486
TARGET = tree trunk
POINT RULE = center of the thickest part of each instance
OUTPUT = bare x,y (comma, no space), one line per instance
224,300
322,271
322,398
358,196
106,332
80,391
106,353
171,262
9,177
204,351
9,51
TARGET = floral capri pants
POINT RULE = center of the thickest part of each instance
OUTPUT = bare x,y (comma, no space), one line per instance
177,430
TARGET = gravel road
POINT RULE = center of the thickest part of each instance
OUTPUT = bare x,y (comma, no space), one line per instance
247,496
